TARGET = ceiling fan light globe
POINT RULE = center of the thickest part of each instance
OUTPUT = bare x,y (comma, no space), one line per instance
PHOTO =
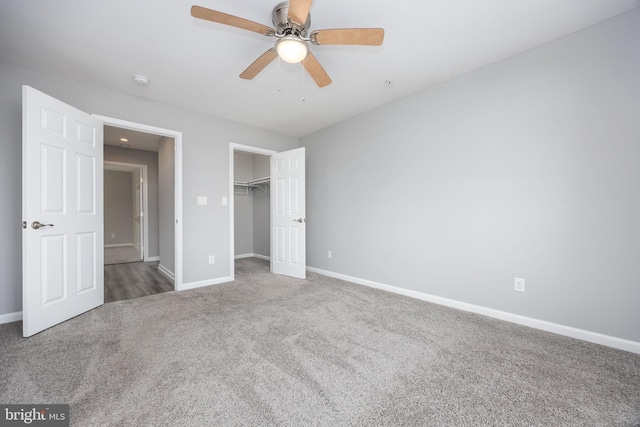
291,49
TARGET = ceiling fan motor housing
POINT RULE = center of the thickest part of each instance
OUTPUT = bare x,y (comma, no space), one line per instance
284,26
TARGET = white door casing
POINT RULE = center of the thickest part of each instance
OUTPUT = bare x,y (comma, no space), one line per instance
138,214
62,185
288,221
177,190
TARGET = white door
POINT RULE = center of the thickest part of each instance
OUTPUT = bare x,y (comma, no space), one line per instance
62,257
288,222
137,213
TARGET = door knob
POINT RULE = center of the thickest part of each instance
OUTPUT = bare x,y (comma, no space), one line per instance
36,225
300,220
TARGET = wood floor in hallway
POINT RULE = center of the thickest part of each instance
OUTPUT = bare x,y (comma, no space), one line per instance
134,280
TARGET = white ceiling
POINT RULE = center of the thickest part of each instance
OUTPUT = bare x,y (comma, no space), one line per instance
135,139
195,64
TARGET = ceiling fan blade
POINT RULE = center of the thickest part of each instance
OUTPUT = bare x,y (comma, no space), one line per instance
298,11
233,21
259,64
353,36
316,71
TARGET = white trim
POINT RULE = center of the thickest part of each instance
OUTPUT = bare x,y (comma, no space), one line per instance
266,258
177,161
177,137
233,147
164,270
10,317
243,256
555,328
152,259
145,201
119,245
202,283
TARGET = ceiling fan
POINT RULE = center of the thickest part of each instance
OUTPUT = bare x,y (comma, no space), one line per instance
291,20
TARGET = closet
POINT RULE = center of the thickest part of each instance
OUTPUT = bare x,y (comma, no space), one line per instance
251,205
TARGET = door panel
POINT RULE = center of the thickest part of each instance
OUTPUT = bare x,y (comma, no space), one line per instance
61,189
54,191
87,262
54,277
86,184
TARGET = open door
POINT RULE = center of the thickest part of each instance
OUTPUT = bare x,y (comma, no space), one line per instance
288,222
62,208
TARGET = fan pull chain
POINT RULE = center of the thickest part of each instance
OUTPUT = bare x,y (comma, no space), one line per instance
279,74
303,73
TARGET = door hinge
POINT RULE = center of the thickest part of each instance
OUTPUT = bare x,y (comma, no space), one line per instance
24,224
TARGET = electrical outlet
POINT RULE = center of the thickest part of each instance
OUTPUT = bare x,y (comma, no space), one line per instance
113,236
329,254
518,284
212,259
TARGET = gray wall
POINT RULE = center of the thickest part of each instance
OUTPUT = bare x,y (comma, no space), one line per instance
205,151
11,211
525,168
149,158
261,208
166,203
243,204
118,208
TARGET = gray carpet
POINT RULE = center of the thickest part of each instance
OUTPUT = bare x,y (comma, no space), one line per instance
274,351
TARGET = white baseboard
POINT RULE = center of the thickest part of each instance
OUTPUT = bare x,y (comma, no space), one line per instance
152,258
118,245
10,317
253,256
555,328
202,283
164,270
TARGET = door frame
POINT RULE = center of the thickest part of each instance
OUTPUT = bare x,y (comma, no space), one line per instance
177,162
233,147
145,201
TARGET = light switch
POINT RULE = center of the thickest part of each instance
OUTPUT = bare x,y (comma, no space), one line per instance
202,200
225,201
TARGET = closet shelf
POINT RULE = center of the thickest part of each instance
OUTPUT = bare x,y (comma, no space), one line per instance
260,183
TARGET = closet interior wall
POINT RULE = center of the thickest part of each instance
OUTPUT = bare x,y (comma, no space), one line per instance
251,206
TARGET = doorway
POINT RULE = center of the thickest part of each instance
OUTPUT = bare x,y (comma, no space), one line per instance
126,207
249,177
252,205
156,229
132,214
